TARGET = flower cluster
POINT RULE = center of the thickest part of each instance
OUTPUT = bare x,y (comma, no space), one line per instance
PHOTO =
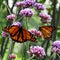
20,4
25,3
45,17
12,56
11,17
37,50
35,32
26,12
29,3
56,47
39,6
4,34
17,23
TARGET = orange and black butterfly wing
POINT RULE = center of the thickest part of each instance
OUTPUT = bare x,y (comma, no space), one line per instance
47,31
23,35
50,28
17,37
12,29
46,34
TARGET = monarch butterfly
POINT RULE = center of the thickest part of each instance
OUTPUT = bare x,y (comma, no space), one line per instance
19,34
47,31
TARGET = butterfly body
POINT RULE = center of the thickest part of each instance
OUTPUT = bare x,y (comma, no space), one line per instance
19,34
47,31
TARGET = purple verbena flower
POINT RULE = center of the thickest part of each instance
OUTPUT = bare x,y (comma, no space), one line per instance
56,47
37,50
35,32
39,33
20,4
4,34
56,44
26,12
45,17
39,6
17,23
11,17
29,3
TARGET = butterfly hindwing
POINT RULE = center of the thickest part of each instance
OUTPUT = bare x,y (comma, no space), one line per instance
17,37
27,35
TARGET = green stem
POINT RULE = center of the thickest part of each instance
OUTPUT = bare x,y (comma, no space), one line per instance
8,8
27,23
52,57
31,57
10,48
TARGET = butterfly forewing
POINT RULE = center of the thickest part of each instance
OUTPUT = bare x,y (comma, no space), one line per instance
12,30
50,28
